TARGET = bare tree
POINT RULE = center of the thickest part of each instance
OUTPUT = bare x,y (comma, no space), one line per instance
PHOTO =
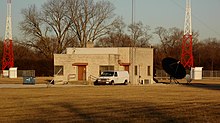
65,23
140,34
170,40
209,54
114,40
116,36
58,24
118,26
48,30
90,19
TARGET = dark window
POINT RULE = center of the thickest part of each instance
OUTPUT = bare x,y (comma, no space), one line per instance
105,68
58,70
136,70
107,74
148,70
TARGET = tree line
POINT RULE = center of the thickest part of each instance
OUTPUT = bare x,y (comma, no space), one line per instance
59,24
205,52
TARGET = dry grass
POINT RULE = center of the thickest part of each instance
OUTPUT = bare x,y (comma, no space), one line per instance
151,103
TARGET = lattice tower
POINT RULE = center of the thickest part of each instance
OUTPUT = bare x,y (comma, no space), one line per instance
8,55
187,45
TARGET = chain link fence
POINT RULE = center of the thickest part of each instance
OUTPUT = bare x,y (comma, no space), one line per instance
211,74
161,74
206,74
23,73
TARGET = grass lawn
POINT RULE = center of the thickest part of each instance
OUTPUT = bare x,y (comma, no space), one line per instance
199,102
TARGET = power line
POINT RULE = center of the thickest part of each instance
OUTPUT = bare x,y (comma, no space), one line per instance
197,18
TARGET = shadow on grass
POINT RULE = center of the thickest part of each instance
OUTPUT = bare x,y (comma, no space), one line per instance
121,111
196,85
204,86
111,111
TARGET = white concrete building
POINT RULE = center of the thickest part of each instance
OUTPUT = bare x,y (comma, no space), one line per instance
80,64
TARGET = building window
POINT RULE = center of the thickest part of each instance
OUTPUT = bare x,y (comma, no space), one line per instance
58,70
136,70
105,68
148,70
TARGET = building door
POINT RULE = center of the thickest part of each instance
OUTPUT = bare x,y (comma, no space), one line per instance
81,72
126,68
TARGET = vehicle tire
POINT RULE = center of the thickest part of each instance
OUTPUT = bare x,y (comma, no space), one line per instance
112,83
126,82
95,83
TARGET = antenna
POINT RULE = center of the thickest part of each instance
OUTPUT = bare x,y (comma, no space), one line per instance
8,55
174,68
188,19
187,55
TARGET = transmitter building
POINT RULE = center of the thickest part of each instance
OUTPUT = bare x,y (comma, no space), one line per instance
82,64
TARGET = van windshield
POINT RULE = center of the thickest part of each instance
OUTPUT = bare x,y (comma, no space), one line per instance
107,74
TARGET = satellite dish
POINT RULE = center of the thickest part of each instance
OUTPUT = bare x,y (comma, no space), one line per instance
174,68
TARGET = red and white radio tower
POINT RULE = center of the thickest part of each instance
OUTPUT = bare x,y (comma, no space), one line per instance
187,52
8,55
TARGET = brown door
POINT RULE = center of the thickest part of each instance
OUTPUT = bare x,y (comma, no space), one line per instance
82,73
126,68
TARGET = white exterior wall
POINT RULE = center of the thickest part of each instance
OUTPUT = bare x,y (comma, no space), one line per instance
92,50
196,73
142,57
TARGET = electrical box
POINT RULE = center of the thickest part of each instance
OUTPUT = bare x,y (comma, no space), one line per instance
29,80
196,73
13,72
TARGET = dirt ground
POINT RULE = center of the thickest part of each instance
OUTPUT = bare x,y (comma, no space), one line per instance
197,102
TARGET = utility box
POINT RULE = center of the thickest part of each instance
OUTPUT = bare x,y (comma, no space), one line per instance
13,72
5,73
196,73
29,80
145,81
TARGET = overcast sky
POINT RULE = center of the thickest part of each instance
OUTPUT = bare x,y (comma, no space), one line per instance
165,13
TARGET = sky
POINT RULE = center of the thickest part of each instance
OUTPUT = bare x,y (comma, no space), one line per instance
154,13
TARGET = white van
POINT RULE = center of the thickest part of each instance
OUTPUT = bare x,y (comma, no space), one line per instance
113,77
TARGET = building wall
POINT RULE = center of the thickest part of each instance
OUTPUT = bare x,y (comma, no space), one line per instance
94,57
143,57
92,50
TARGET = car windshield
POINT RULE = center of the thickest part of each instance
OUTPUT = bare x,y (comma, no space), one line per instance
107,74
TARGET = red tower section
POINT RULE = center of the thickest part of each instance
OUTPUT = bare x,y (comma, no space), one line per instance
187,45
8,55
187,52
